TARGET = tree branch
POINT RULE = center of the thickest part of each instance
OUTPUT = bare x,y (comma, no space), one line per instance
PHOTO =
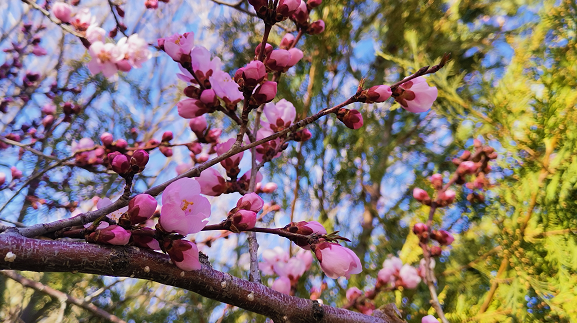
21,253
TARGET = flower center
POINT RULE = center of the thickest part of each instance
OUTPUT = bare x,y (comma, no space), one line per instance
104,56
186,204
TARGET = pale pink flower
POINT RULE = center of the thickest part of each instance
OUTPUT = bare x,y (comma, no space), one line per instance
306,257
269,187
177,45
225,87
337,261
294,268
95,33
211,182
201,63
184,254
409,276
104,58
83,19
182,168
429,319
271,257
394,262
467,167
135,50
353,293
279,115
184,210
62,11
282,285
416,95
391,267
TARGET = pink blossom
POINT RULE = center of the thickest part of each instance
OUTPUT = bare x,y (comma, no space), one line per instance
306,257
2,178
141,208
208,97
202,158
437,180
212,135
151,4
269,187
467,167
104,58
409,276
191,108
244,220
429,319
95,33
296,56
246,177
184,210
267,49
421,195
254,73
444,238
353,293
223,148
271,257
307,228
184,254
62,11
337,261
265,92
225,87
15,172
288,39
394,262
282,285
177,45
49,109
385,275
294,268
198,125
317,27
211,182
135,50
269,148
379,93
287,7
138,160
420,228
119,163
201,63
280,115
182,168
82,19
250,201
391,267
416,95
38,50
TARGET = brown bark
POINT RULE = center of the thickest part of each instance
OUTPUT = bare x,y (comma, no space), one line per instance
65,256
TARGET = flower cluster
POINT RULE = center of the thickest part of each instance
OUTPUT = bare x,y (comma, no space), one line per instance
396,274
289,269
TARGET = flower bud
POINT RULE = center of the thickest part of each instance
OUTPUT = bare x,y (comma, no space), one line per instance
301,15
212,135
107,139
166,151
278,60
119,163
287,41
121,144
444,238
447,196
267,50
251,202
314,3
208,97
303,135
253,73
282,285
421,195
2,179
287,7
379,93
167,136
198,125
141,208
351,118
305,228
437,180
269,187
195,147
49,109
436,251
244,220
317,27
144,238
190,108
184,254
420,228
265,92
114,234
62,11
47,121
258,5
16,173
296,56
467,167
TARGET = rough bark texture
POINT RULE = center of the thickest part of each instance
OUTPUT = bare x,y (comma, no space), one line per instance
22,253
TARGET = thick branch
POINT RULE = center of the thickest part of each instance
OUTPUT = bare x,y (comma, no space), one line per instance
21,253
